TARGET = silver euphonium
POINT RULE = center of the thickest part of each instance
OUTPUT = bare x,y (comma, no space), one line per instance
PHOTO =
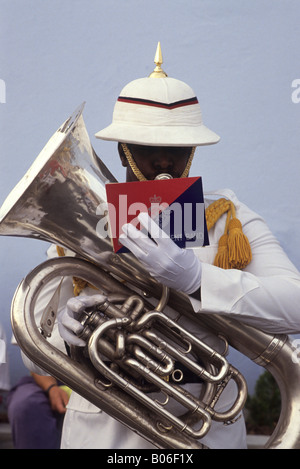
135,355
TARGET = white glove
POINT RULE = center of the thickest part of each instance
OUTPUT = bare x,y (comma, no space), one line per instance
68,324
174,267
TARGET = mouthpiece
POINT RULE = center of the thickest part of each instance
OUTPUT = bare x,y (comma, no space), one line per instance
164,176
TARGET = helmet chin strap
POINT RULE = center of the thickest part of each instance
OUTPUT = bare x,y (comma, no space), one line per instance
139,175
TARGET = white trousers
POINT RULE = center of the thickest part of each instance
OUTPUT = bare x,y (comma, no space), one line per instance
100,431
89,428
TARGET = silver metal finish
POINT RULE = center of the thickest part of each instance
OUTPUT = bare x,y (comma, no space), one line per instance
116,388
126,353
58,192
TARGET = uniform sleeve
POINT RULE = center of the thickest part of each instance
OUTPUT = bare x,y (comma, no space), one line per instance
266,294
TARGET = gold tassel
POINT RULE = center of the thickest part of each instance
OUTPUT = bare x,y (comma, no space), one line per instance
222,258
239,249
234,250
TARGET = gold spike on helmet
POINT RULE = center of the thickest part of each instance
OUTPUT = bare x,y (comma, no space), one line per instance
158,71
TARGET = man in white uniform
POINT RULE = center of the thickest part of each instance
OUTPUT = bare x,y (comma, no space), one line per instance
157,122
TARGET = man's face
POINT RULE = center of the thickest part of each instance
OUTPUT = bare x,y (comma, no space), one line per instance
153,161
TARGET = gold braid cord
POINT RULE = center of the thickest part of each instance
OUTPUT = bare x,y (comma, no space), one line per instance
139,175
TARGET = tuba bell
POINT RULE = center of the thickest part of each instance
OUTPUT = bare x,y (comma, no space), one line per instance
135,351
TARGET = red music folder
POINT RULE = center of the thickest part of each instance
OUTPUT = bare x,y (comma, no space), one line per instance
177,206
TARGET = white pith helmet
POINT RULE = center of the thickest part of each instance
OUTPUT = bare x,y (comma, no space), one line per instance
158,110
